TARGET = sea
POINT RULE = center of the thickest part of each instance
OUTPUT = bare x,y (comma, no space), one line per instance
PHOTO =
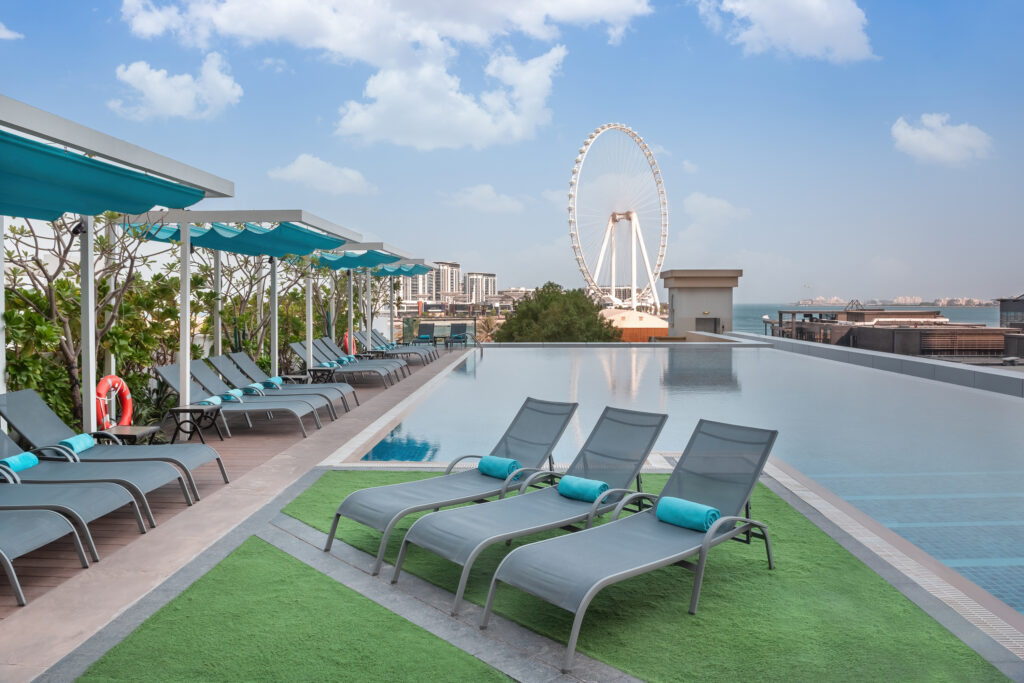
749,317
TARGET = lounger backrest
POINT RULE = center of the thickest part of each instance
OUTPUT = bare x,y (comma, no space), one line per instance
331,346
229,370
8,447
208,378
617,446
721,465
171,373
320,353
32,418
534,431
426,328
248,366
457,328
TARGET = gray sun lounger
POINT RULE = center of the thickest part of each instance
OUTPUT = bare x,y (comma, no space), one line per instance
22,531
329,350
256,374
530,438
613,453
383,350
354,370
234,375
26,411
428,351
305,405
720,466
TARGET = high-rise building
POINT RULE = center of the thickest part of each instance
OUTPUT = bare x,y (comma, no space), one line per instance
418,287
479,286
447,281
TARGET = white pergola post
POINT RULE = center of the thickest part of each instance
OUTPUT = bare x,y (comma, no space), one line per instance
109,362
218,347
368,291
185,310
350,312
86,244
4,222
309,317
391,302
273,318
332,322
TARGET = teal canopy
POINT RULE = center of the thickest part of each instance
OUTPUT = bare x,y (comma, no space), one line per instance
42,181
286,239
406,269
354,259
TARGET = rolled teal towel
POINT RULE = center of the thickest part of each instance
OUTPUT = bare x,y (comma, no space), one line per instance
350,358
254,388
211,401
79,443
500,468
232,396
328,364
426,336
20,462
580,488
275,380
686,513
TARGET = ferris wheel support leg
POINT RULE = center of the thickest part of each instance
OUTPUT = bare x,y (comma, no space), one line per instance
614,293
650,278
608,231
634,237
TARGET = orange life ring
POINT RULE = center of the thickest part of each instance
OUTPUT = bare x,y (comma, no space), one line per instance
346,344
124,401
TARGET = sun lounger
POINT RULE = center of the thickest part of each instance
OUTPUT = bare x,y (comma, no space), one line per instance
719,468
384,350
22,531
234,376
529,440
431,353
457,335
256,374
306,405
38,425
321,361
425,334
329,350
613,453
170,373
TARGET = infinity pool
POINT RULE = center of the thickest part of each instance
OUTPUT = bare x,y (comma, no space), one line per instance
937,463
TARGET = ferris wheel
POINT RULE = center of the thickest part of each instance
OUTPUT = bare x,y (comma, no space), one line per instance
620,183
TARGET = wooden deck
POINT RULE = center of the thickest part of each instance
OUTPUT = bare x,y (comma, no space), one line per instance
257,474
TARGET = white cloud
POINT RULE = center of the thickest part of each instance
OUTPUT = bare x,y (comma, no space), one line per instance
711,211
559,198
160,95
690,167
936,141
274,64
485,199
425,107
8,34
323,176
415,98
832,30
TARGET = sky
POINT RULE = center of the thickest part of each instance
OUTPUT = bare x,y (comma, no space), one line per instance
852,148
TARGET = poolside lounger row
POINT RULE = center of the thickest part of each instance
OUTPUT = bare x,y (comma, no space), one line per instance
379,347
718,469
430,352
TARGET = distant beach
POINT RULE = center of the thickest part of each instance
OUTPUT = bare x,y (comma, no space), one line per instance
748,317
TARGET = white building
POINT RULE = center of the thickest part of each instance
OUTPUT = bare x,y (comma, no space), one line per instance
447,281
479,286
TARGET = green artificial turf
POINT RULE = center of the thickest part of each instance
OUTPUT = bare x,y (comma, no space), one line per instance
262,615
820,615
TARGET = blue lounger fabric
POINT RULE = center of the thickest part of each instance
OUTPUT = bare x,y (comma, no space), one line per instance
580,488
79,443
20,462
686,513
499,468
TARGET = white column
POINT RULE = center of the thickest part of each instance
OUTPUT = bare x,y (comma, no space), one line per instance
331,312
4,222
218,347
109,362
86,246
369,305
350,309
273,318
391,305
309,316
185,311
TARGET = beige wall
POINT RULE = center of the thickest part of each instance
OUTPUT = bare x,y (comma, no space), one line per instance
688,304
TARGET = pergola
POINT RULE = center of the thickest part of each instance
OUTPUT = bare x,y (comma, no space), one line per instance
50,166
403,268
294,233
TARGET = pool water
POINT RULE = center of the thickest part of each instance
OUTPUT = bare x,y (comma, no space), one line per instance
937,463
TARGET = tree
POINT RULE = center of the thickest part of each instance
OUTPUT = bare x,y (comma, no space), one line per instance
552,314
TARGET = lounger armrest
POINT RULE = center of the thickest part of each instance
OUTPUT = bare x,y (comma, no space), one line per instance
106,435
711,537
267,384
629,499
252,391
451,465
515,475
8,475
62,452
599,501
555,476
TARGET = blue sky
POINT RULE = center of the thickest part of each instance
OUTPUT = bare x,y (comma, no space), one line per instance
827,147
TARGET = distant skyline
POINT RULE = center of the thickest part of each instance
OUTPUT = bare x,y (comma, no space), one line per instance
860,149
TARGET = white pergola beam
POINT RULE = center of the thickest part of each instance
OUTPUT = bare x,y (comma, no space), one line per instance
297,216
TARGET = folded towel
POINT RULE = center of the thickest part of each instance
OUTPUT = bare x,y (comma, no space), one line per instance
20,462
254,388
350,358
211,401
426,336
580,488
328,364
275,380
686,513
79,443
232,396
500,468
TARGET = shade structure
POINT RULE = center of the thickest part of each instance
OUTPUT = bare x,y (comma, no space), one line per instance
285,239
349,260
406,269
42,181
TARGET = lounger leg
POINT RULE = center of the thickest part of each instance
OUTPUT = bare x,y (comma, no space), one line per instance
344,404
13,579
77,540
330,536
223,472
385,536
697,581
570,648
316,419
302,427
768,548
399,561
146,510
191,483
80,525
184,491
138,516
490,602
